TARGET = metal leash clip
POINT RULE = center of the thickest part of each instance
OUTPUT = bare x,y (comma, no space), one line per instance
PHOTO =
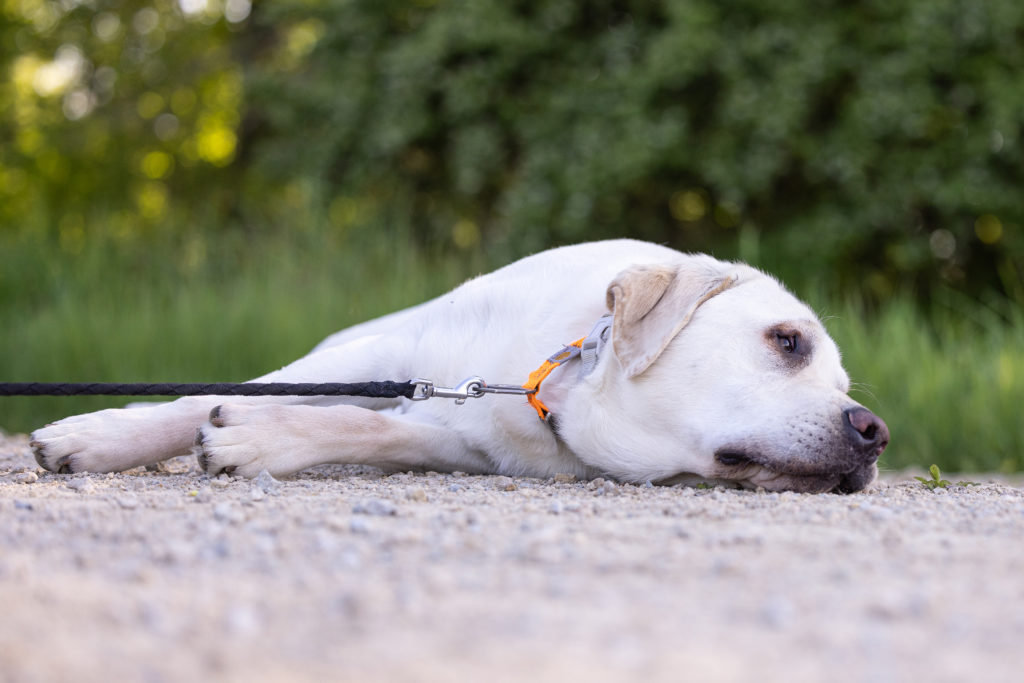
471,387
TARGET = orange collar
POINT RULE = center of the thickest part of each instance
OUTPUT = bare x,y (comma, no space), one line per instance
588,347
540,374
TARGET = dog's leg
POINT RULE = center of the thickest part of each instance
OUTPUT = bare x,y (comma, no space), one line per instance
119,439
245,439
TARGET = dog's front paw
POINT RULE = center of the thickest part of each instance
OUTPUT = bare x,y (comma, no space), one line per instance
242,440
105,441
83,443
54,451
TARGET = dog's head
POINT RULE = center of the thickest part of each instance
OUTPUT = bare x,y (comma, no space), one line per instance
718,373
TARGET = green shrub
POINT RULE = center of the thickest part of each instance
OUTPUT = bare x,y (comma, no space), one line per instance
877,141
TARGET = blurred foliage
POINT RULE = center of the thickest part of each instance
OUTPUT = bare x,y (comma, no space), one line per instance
113,106
871,145
877,141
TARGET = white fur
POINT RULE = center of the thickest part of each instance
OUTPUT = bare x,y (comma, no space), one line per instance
718,381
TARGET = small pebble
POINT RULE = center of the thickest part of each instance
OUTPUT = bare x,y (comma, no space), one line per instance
359,525
80,484
876,511
504,484
336,522
564,478
225,512
128,501
265,482
22,505
418,495
242,620
777,612
24,478
376,507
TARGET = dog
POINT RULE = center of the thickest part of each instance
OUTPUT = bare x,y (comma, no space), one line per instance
685,369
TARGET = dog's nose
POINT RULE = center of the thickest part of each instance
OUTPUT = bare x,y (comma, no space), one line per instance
866,431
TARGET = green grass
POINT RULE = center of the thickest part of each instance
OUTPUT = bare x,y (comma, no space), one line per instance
949,382
154,314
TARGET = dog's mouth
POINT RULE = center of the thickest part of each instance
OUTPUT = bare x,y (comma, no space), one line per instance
752,470
734,459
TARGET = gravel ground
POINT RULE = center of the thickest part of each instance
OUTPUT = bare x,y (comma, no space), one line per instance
347,574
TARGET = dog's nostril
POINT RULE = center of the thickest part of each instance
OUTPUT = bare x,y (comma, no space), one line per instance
866,429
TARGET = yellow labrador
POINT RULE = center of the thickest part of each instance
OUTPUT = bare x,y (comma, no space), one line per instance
690,369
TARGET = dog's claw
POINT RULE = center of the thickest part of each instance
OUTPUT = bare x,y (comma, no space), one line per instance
200,452
60,466
37,452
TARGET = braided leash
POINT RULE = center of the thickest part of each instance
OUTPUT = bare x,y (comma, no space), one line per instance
366,389
416,390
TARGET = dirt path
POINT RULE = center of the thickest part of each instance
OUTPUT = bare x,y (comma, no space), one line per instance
344,574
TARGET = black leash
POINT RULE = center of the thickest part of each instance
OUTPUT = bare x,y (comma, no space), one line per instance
365,389
416,390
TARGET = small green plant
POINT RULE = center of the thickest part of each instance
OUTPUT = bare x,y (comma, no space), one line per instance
938,482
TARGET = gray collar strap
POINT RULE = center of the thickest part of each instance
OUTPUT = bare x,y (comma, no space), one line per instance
593,344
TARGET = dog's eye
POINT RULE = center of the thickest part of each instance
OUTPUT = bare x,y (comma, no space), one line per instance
789,342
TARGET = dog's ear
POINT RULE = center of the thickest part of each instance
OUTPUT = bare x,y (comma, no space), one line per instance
651,304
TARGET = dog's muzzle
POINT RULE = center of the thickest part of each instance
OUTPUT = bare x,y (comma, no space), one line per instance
867,436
